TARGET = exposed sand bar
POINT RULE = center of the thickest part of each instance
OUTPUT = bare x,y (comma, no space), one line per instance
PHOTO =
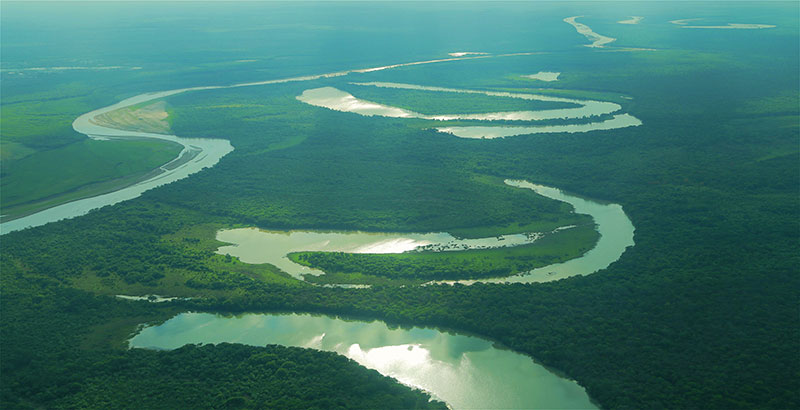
632,20
598,41
585,109
338,100
197,153
617,122
684,23
543,76
150,118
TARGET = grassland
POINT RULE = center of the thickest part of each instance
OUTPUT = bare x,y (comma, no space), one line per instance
146,117
46,163
79,170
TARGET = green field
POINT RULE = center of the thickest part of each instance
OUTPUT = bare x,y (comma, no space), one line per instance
45,162
78,170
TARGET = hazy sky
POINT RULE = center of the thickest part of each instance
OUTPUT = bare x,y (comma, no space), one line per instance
312,1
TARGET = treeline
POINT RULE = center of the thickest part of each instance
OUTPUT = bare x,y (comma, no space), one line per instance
452,265
233,376
631,342
364,173
707,289
381,265
63,348
700,313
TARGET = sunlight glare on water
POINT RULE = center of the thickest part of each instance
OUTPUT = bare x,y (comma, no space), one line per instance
464,371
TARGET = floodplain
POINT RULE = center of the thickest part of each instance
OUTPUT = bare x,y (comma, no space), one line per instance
687,299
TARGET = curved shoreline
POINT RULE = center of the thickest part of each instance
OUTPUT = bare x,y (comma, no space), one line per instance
337,100
463,370
211,150
197,154
616,235
201,153
598,40
255,246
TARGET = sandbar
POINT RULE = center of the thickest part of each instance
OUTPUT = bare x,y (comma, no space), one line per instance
632,20
684,23
598,41
465,53
543,76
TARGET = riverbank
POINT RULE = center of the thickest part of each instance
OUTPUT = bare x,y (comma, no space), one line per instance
85,169
464,371
598,40
207,152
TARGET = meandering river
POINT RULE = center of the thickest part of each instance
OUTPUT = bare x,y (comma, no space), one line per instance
464,371
616,235
338,100
200,153
197,153
252,245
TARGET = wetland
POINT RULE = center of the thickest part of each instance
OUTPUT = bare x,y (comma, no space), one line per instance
699,313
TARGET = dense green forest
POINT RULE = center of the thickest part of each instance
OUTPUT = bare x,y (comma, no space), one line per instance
472,264
700,313
64,359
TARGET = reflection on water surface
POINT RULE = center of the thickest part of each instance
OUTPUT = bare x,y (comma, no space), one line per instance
464,371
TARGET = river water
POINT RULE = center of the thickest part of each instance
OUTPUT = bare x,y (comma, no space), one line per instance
616,235
464,371
200,152
251,245
338,100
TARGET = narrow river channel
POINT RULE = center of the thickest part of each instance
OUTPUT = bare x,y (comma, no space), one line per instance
464,371
252,245
200,153
197,153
